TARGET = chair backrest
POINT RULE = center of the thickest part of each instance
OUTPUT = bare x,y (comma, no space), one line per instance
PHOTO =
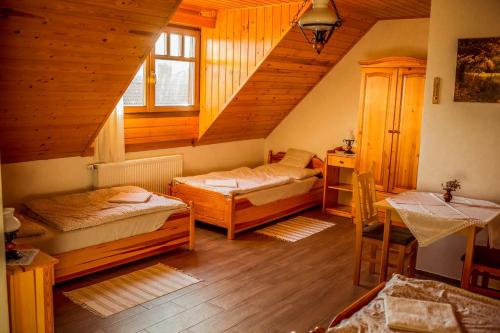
364,197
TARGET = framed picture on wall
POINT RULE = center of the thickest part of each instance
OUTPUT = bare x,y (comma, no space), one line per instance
478,70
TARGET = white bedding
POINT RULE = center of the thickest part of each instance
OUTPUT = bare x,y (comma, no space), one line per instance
90,209
55,241
268,195
249,180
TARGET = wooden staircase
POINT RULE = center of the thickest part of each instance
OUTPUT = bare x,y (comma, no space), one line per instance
292,69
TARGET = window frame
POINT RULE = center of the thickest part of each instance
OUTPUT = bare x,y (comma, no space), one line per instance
150,75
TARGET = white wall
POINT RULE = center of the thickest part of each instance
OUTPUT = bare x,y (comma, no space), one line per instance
26,179
326,116
459,140
4,308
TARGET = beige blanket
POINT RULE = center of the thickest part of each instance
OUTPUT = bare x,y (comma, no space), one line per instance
247,180
88,209
474,313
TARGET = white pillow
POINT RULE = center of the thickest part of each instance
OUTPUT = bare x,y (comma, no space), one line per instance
297,158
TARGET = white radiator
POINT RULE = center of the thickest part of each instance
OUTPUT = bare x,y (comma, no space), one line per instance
154,174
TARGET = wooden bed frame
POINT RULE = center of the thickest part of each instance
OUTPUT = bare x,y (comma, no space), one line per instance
238,214
177,230
352,308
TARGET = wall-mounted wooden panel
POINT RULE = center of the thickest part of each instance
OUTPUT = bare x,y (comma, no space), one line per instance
63,67
159,131
292,69
230,53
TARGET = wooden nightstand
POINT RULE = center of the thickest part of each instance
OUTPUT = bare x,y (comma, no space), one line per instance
30,295
335,164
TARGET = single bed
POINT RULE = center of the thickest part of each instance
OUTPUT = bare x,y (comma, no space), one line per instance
472,312
237,212
84,250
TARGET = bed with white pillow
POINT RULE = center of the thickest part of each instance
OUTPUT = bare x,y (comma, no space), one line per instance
94,230
243,198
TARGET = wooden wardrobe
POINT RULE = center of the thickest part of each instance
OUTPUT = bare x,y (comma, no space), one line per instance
391,104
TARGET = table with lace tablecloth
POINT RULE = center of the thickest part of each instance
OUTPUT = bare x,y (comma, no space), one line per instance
430,218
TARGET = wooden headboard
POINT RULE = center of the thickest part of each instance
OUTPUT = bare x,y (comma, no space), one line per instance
316,162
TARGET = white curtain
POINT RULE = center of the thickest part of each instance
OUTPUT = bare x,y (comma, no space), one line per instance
110,143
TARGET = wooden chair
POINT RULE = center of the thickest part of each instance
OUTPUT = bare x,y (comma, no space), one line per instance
370,231
485,264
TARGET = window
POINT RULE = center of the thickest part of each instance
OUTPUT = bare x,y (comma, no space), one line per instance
168,79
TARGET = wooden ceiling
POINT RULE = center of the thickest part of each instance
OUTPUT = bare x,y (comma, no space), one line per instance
64,65
233,4
292,69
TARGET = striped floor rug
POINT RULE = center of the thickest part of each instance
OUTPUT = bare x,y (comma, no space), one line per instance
295,229
126,291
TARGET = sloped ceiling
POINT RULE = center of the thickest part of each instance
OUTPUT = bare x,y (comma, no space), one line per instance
232,4
292,69
64,65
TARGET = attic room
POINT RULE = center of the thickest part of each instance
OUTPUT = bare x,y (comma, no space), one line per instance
250,166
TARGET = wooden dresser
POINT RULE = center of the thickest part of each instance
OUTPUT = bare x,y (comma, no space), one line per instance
338,175
30,295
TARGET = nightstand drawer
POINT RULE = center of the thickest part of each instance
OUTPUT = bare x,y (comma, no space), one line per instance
340,161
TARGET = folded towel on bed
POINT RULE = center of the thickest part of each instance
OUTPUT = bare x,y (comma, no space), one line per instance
419,316
124,197
222,182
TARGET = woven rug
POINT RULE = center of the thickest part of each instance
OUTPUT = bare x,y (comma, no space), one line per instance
123,292
295,229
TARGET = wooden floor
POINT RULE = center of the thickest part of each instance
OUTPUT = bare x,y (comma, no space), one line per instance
252,284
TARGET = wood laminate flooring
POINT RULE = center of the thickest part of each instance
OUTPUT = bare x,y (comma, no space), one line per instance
252,284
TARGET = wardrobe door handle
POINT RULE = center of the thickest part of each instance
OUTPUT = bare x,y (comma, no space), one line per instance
394,131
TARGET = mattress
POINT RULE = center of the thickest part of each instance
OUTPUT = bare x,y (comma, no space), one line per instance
268,195
55,241
69,212
248,180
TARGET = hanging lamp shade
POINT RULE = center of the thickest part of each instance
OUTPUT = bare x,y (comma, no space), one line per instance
319,23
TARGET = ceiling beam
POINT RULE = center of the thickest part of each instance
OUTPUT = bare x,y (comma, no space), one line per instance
188,16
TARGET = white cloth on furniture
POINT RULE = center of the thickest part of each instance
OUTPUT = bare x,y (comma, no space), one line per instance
277,169
419,316
272,194
248,180
430,218
222,182
127,197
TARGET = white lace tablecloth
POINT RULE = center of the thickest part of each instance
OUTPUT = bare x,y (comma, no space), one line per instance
430,218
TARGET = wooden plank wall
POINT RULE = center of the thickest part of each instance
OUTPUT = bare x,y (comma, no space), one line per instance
156,130
232,4
63,67
292,69
240,41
